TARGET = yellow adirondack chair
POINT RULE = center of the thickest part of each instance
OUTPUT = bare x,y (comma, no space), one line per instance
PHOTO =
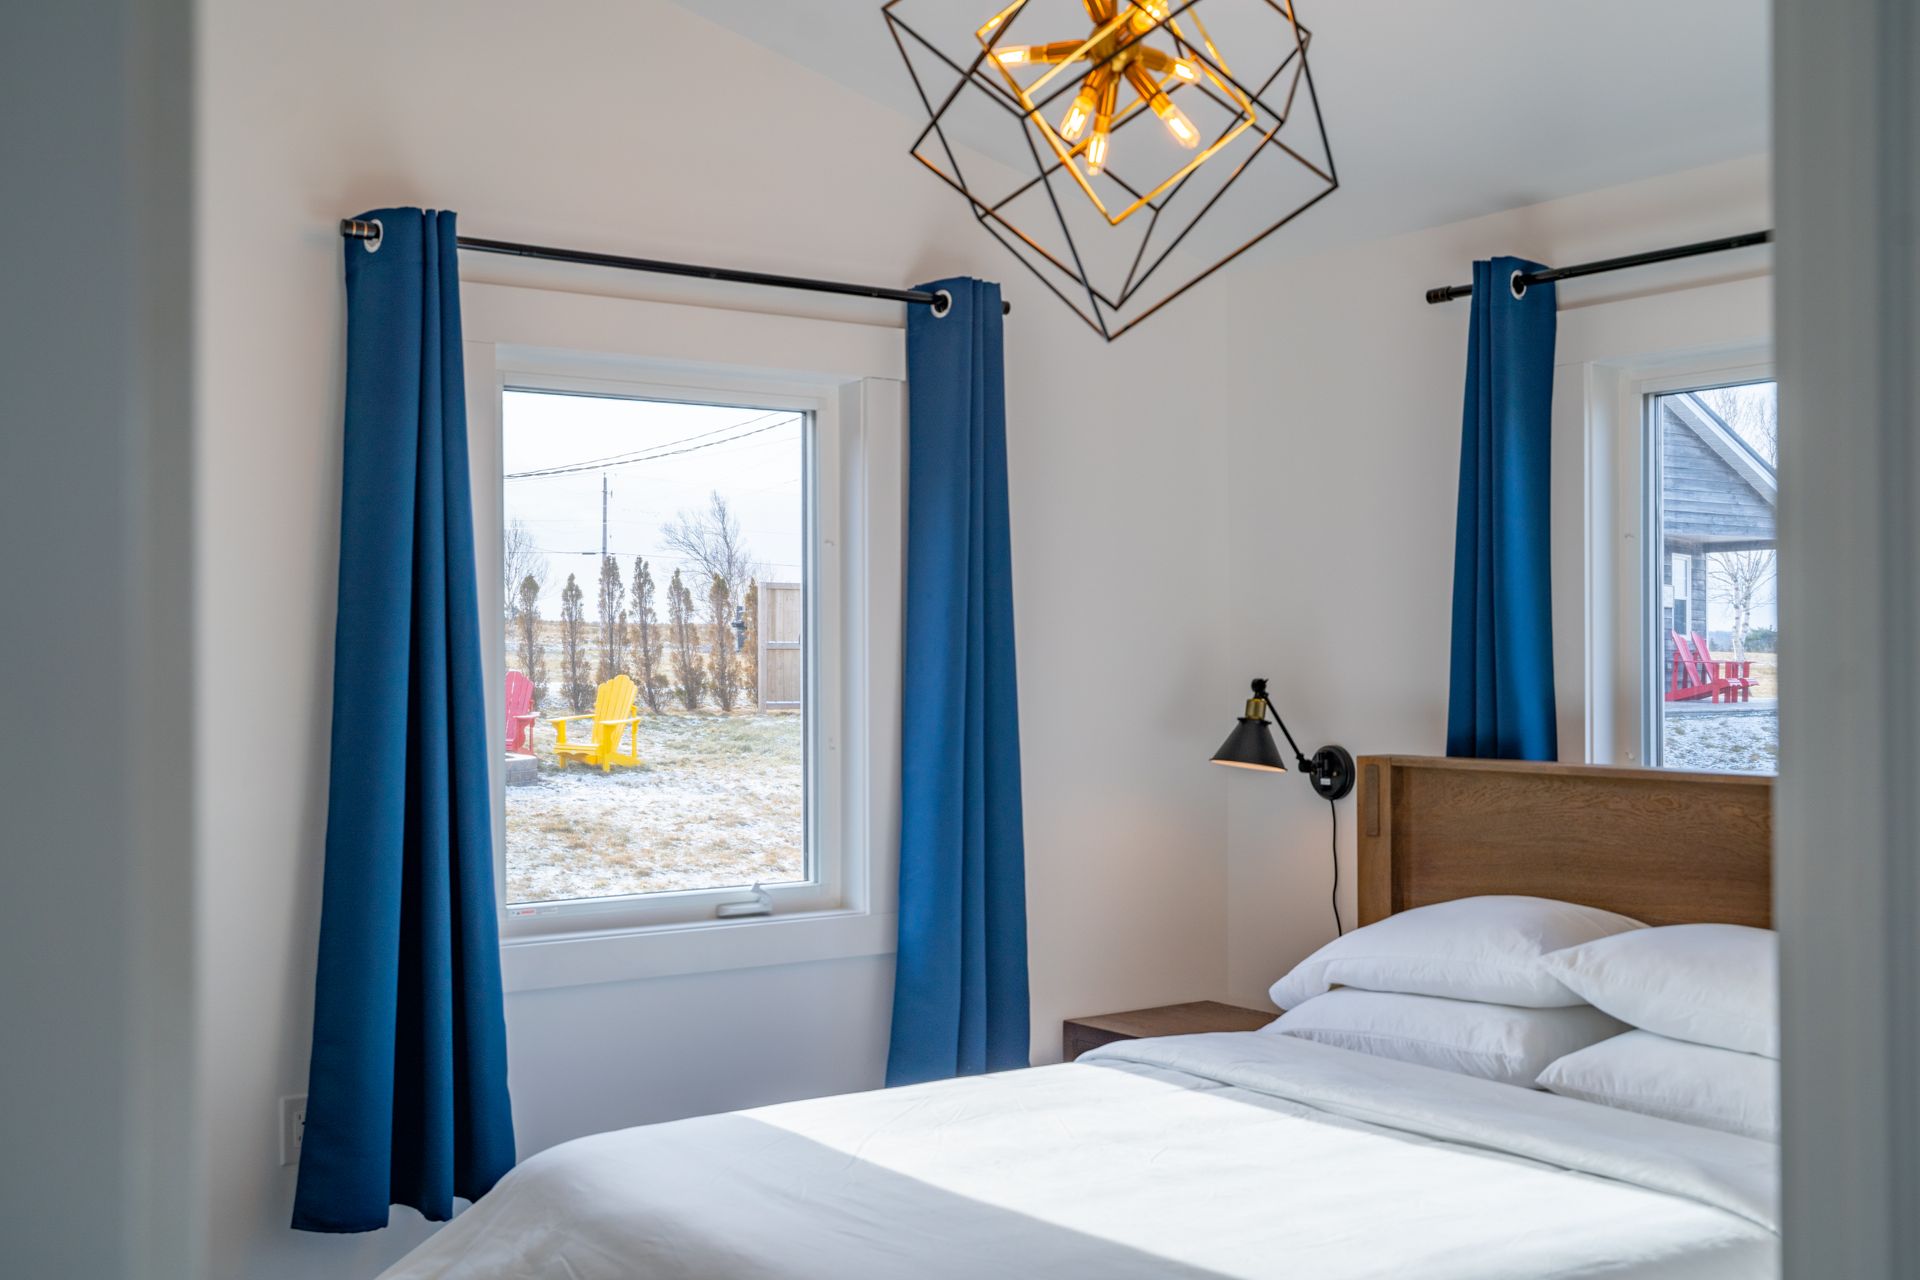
613,720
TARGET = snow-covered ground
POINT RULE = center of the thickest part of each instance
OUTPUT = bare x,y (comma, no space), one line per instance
1722,742
719,801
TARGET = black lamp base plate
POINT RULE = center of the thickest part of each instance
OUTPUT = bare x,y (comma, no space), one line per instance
1333,773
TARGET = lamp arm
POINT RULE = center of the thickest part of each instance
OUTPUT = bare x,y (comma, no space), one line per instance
1306,765
1330,769
1300,757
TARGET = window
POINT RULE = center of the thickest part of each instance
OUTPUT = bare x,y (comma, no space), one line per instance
655,567
1712,569
760,457
1620,366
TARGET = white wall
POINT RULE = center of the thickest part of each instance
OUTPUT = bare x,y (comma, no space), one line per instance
97,1159
1342,496
512,115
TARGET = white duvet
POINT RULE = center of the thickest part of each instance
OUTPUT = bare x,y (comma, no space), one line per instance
1225,1156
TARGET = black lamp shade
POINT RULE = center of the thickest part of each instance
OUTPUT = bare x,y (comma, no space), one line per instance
1251,746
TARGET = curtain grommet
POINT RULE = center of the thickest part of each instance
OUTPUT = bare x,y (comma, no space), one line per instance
1515,286
372,243
942,303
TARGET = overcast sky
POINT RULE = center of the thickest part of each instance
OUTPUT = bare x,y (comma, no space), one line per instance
751,456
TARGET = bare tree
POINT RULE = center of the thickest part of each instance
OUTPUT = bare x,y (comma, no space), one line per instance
750,649
723,666
711,540
646,639
520,559
613,621
686,656
533,658
1741,580
1752,412
573,647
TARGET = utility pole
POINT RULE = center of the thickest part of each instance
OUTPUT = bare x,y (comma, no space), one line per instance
606,619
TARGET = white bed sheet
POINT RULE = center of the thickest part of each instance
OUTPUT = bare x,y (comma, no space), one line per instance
1237,1157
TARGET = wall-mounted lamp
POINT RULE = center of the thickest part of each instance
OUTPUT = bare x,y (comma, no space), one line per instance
1251,746
1330,769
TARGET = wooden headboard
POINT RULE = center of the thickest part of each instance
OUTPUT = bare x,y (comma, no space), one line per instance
1660,846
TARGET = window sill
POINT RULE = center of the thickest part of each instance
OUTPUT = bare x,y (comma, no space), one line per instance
708,946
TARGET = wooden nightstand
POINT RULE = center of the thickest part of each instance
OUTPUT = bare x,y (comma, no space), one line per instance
1077,1035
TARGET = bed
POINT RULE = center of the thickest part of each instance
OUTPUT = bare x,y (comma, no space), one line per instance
1226,1155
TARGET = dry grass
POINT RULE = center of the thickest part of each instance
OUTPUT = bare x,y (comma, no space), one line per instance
1766,671
719,801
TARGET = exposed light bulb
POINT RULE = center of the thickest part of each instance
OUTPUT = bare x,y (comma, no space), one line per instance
1147,14
1079,113
1163,106
1102,124
1026,55
1096,154
1166,64
1176,121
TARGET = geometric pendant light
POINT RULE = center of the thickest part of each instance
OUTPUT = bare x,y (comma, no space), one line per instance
1124,150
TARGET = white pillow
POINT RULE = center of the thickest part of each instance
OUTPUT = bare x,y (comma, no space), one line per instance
1713,984
1493,1041
1691,1083
1468,949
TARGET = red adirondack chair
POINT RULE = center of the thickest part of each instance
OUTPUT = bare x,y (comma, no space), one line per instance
1691,678
1736,675
520,713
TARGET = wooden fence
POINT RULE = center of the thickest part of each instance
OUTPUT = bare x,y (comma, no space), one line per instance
783,668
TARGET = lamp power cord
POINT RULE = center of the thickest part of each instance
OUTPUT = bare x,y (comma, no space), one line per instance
1333,811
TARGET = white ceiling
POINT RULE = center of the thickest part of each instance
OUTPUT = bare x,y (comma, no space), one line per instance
1436,112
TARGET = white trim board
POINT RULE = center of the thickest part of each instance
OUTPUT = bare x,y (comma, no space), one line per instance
1847,879
683,335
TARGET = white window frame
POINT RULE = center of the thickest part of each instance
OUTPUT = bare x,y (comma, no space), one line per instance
1609,356
848,379
1641,394
1625,548
824,884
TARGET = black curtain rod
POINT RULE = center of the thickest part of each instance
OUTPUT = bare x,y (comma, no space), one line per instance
356,229
1447,293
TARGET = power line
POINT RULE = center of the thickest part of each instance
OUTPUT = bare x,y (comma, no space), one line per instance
667,444
574,468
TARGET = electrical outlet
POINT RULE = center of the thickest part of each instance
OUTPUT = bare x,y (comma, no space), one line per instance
293,1125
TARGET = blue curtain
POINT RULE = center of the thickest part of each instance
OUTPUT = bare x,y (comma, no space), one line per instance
960,986
407,1089
1500,702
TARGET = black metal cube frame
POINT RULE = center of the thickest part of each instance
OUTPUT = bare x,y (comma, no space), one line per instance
1064,273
